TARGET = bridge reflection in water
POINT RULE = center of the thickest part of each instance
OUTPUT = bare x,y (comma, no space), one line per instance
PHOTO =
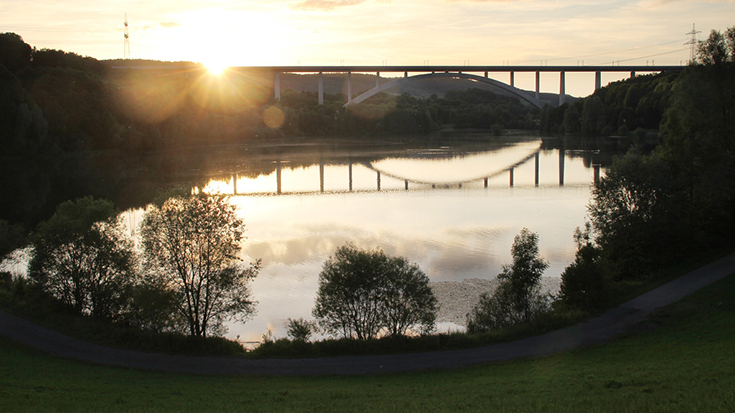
332,194
422,171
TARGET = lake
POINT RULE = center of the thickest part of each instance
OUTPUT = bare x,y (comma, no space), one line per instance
453,206
450,203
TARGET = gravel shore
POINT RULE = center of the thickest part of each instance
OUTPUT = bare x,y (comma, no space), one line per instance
457,298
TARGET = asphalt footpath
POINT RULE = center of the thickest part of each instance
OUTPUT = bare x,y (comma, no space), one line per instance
619,321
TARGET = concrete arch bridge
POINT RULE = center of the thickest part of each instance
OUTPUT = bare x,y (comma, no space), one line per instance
522,94
475,73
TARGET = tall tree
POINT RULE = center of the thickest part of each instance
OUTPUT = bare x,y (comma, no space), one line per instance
699,136
191,245
82,257
518,298
636,210
524,274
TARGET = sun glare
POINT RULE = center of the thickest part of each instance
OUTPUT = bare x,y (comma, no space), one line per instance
215,68
220,39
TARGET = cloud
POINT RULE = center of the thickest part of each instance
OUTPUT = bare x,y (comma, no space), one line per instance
323,5
168,25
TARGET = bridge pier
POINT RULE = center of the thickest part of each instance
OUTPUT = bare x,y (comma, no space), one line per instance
277,86
377,79
538,85
349,166
562,88
486,180
598,80
349,86
561,167
321,88
511,176
513,79
278,177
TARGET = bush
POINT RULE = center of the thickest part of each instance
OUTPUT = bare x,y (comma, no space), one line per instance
365,293
300,329
582,282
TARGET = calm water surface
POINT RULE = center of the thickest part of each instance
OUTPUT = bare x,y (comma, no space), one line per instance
450,209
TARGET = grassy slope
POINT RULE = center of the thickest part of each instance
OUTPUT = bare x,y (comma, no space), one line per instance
686,365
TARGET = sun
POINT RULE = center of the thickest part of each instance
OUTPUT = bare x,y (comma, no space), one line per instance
221,38
215,67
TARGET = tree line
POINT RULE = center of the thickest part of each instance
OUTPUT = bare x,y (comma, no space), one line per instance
627,107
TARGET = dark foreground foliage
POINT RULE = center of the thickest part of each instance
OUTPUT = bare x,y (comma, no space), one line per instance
285,348
29,301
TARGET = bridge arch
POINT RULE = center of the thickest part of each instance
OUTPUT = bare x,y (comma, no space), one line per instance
492,173
522,94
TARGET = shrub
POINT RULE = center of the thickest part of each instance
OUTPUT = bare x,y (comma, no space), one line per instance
300,329
365,293
582,282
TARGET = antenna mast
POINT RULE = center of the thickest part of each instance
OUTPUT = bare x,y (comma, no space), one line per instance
692,43
126,46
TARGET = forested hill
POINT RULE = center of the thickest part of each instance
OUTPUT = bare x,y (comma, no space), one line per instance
627,107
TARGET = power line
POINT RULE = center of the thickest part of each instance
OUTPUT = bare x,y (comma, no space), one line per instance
612,52
645,57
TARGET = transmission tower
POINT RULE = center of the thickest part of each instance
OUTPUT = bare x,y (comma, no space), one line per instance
692,43
126,46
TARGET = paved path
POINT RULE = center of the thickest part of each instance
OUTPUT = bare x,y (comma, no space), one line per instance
598,330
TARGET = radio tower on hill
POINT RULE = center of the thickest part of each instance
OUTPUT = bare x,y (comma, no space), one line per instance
126,46
692,43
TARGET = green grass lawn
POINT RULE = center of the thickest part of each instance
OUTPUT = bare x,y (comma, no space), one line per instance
685,365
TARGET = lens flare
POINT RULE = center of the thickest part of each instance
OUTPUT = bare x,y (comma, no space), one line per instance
273,117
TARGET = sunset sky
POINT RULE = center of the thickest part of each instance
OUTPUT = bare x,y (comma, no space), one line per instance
372,32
